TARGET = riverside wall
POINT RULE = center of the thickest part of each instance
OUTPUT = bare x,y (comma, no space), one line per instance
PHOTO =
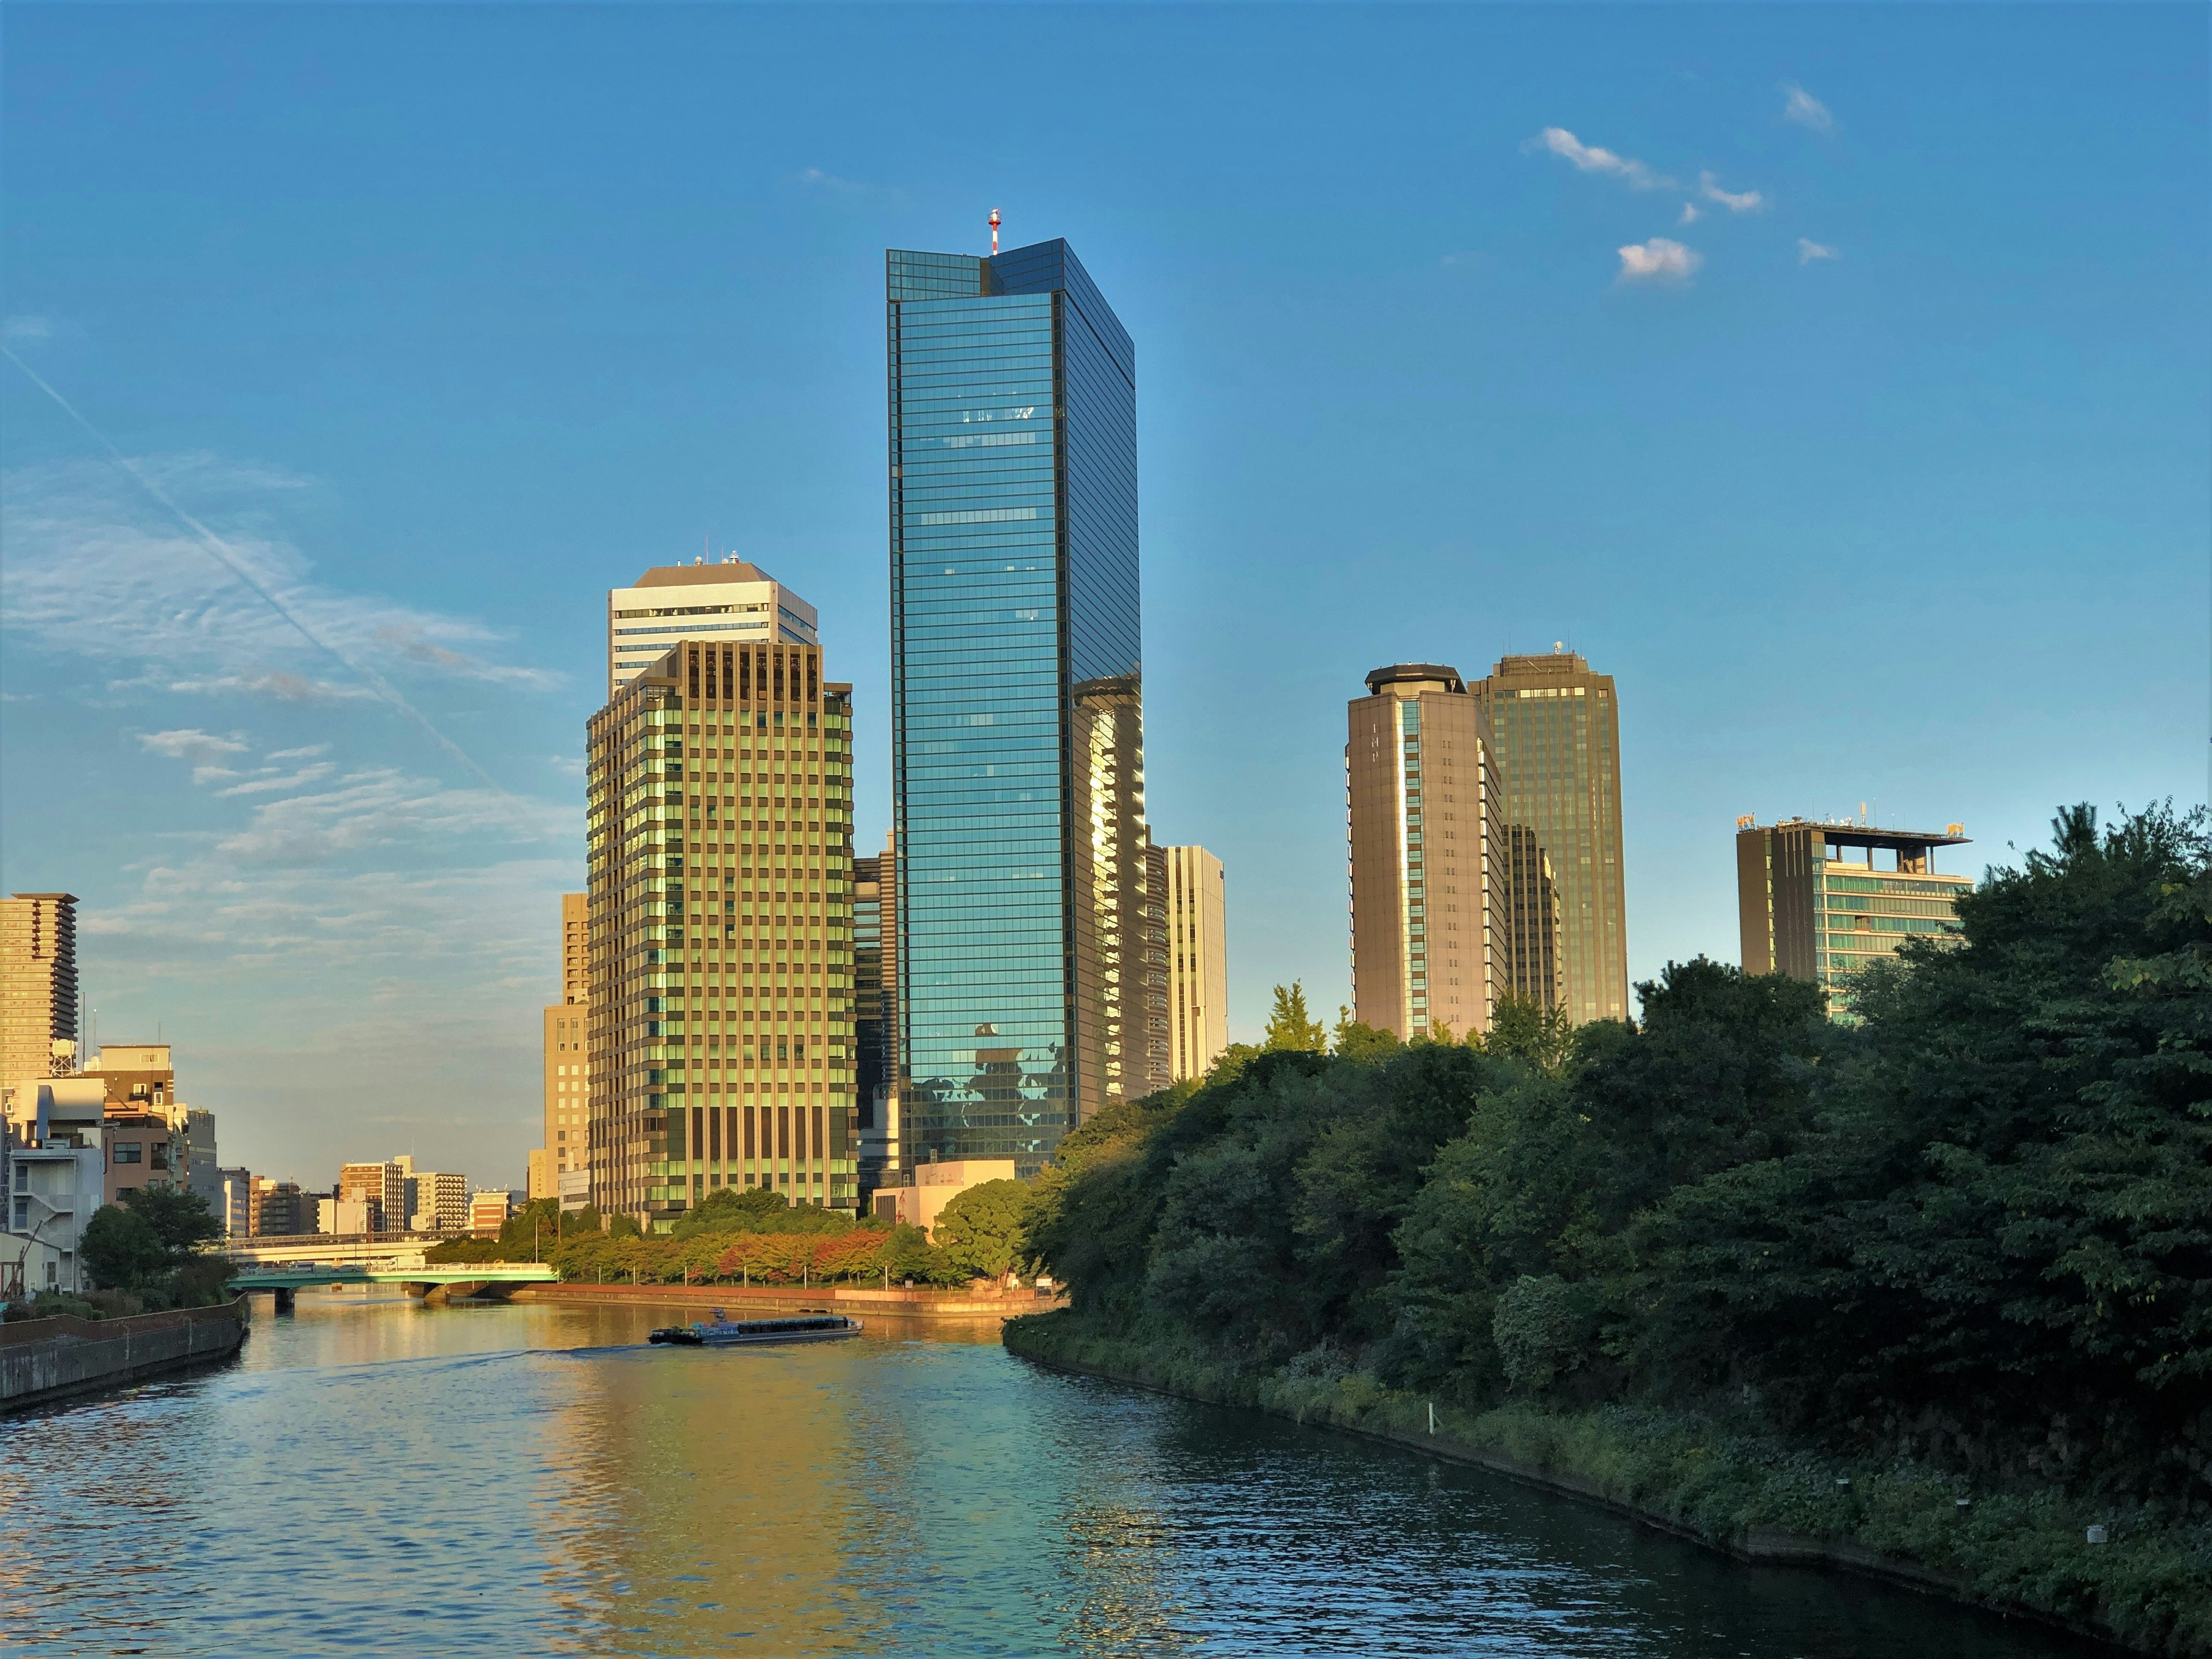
48,1359
860,1301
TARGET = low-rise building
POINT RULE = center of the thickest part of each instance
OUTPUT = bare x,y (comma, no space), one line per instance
53,1174
936,1184
487,1213
145,1148
235,1207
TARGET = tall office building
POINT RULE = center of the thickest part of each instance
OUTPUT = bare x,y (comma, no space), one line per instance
875,1010
729,603
38,990
718,838
1431,864
566,1063
1016,717
380,1189
1556,732
1535,972
1188,880
1808,911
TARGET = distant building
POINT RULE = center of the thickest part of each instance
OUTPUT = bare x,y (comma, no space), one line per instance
1555,730
1194,896
567,1069
731,603
438,1202
382,1187
144,1149
202,1163
1431,865
235,1211
281,1210
1536,964
720,850
487,1213
575,1192
933,1185
1808,911
39,1006
875,1012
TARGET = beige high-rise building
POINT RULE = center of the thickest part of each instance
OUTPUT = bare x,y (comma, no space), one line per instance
568,1061
1430,863
1192,894
729,603
38,990
1556,730
718,837
1113,926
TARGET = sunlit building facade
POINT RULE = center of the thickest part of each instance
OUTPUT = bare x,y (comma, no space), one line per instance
1017,706
1823,901
1429,861
567,1069
719,853
1194,896
1556,727
728,603
38,993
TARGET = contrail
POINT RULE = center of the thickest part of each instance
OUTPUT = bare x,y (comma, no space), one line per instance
228,559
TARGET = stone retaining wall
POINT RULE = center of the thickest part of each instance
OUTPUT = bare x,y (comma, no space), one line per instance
45,1360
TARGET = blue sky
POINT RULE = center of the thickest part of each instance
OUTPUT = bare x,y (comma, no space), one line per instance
1459,332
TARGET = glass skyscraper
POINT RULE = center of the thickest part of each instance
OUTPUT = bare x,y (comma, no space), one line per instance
1016,709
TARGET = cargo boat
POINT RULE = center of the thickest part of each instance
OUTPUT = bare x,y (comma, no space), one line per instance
722,1332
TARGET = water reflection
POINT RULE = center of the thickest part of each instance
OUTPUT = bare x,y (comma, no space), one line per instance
377,1478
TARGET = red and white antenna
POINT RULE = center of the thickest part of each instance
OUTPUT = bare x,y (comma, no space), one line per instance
994,233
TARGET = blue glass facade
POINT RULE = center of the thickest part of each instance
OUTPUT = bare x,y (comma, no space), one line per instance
1013,544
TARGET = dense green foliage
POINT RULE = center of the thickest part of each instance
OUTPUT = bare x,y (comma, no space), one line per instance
984,1230
148,1244
1971,1230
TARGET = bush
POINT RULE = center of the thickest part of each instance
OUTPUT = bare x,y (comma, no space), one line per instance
120,1248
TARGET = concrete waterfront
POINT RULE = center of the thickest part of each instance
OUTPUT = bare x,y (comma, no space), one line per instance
48,1359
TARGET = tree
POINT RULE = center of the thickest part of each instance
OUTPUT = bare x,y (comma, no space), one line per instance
181,1220
984,1229
121,1248
1355,1041
1290,1027
1527,1031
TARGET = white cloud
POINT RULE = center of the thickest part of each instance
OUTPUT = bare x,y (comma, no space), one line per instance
193,745
308,753
264,785
379,806
816,179
1749,201
1591,158
91,560
1806,111
1808,250
568,766
19,329
1690,214
1659,260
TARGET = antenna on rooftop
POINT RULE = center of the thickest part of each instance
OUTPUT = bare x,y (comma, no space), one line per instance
994,233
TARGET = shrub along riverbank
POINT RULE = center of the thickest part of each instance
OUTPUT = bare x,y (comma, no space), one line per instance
1708,1267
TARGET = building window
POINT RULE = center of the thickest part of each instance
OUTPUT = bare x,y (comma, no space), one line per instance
128,1151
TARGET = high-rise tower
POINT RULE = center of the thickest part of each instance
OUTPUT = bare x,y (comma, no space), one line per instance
1015,700
1556,727
1430,859
37,990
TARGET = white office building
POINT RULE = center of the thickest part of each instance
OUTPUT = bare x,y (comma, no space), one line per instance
731,602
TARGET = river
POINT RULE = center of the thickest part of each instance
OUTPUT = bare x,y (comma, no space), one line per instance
375,1477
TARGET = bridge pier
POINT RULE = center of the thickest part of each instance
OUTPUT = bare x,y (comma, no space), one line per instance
283,1296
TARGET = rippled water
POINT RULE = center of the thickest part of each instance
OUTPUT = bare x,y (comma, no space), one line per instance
373,1477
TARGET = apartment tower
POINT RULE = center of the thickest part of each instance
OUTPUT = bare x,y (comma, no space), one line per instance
37,991
1824,902
1430,861
719,847
875,1010
1017,716
1188,880
1556,729
568,1063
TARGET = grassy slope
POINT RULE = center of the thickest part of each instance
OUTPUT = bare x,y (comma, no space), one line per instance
2150,1587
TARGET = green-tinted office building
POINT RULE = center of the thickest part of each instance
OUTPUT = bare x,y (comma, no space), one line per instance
1820,902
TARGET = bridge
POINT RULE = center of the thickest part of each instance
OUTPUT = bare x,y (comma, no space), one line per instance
286,1250
434,1283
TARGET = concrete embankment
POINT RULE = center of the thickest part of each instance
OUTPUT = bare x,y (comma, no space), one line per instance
858,1301
1576,1467
48,1359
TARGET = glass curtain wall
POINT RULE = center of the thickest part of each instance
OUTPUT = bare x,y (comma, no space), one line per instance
1013,539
